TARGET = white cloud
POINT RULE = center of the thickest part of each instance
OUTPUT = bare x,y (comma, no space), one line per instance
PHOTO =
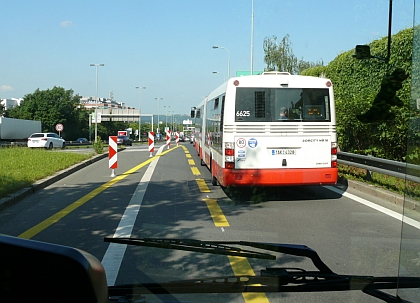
66,24
6,88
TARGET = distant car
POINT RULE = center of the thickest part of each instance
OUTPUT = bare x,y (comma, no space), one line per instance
46,140
81,140
124,140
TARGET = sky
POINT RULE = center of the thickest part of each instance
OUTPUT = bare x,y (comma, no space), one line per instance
166,45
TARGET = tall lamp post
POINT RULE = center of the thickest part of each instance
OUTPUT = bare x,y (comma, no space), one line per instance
173,127
96,107
252,38
158,100
228,74
140,87
166,115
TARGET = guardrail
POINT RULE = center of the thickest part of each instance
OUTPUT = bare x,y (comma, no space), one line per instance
387,167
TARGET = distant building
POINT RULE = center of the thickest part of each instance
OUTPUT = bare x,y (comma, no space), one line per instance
90,102
10,103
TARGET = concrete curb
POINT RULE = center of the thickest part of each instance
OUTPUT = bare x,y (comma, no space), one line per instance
381,193
23,193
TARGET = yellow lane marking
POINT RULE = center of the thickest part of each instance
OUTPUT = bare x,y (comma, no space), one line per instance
188,156
241,267
65,211
202,185
195,171
216,213
191,162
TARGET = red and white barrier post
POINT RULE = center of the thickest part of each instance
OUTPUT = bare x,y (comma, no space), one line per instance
168,138
151,143
177,138
112,154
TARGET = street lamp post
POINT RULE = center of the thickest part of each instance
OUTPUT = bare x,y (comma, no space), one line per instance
173,128
158,100
166,115
140,87
96,108
224,78
228,74
252,39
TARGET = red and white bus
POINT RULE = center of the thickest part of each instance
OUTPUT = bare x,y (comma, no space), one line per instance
272,129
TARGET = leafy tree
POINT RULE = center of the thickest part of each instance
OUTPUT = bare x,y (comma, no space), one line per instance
2,110
356,83
52,106
280,57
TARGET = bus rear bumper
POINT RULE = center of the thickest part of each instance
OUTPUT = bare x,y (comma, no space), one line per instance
278,177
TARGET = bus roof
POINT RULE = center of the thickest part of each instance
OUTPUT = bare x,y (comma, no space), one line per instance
269,80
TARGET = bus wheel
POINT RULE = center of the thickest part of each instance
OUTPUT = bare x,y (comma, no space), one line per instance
213,178
214,181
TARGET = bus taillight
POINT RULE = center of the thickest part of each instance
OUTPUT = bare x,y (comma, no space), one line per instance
229,152
229,155
230,165
334,151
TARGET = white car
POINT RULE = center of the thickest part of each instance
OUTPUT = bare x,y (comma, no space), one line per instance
46,140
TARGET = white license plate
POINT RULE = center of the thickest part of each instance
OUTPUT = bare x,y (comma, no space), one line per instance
283,151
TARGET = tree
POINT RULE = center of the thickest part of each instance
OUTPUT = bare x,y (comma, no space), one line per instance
2,110
52,106
279,56
357,82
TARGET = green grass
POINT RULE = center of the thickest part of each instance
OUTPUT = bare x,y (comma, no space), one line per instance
20,167
390,183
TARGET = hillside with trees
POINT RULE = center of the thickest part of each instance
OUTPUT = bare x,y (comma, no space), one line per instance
356,83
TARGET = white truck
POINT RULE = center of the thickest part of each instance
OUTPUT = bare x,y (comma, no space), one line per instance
18,129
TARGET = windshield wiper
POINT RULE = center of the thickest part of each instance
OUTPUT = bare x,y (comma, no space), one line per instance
275,279
227,248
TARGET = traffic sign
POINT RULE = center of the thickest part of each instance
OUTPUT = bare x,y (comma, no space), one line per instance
59,127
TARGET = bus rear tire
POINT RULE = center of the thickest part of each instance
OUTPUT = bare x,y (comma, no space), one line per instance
214,181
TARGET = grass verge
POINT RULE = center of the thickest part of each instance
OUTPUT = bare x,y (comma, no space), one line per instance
390,183
21,167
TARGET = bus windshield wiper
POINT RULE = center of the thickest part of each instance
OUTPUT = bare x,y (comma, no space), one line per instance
227,248
277,279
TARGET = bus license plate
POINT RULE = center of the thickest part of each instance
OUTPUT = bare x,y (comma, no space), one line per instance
283,151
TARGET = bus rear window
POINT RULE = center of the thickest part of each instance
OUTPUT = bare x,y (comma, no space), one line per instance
282,104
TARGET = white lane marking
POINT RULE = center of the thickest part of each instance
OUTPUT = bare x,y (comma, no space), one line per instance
379,208
115,252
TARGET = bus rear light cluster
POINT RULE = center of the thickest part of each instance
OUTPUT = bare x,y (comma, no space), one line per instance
229,155
334,151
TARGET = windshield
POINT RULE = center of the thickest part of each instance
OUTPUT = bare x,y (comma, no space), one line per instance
220,162
286,104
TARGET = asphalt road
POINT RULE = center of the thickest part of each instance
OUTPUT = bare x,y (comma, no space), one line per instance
171,196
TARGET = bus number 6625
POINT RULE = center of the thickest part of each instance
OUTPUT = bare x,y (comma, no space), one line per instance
243,113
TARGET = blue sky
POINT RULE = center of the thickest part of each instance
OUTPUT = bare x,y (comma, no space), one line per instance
166,45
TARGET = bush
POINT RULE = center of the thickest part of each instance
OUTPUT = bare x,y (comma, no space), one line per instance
356,83
98,145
